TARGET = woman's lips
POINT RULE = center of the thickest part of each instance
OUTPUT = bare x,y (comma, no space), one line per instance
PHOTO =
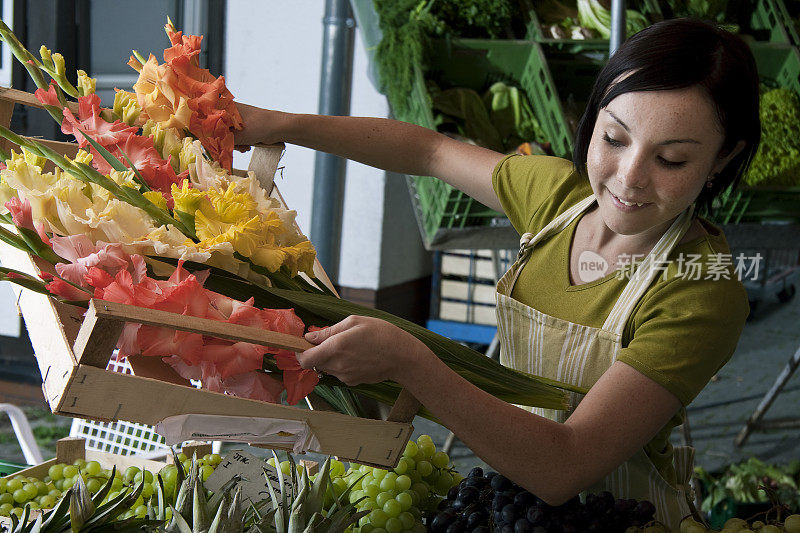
627,208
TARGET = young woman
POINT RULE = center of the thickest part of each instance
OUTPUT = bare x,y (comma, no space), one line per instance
671,122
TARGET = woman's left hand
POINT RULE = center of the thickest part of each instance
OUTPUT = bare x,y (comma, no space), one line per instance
361,350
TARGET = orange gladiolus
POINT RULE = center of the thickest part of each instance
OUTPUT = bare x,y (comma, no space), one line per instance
178,93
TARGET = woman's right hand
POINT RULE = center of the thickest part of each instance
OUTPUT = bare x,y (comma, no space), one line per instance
258,127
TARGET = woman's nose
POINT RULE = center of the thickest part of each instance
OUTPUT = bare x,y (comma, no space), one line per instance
633,171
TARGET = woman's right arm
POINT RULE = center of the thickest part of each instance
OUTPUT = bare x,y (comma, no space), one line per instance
382,143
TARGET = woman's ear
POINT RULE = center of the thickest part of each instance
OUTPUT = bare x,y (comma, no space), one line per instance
723,160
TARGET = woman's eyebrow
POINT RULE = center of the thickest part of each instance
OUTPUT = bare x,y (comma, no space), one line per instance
615,117
665,143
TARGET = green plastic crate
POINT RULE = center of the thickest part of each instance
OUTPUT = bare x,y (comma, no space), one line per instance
558,84
788,11
7,468
649,8
474,64
778,65
770,22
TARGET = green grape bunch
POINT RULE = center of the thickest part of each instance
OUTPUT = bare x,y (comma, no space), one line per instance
19,491
399,498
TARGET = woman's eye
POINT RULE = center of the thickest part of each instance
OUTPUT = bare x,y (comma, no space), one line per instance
613,142
670,164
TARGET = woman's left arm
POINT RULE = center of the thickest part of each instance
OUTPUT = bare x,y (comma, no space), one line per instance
619,415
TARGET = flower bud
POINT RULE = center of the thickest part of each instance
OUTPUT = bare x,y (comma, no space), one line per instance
46,58
86,84
58,61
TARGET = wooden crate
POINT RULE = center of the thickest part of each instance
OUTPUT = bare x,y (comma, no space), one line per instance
73,352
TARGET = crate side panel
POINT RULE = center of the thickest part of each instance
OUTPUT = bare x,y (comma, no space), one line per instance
96,393
49,326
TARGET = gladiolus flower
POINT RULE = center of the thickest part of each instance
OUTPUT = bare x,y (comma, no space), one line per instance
48,97
61,288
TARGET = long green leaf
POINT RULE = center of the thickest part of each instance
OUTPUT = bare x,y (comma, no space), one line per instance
279,517
115,163
317,309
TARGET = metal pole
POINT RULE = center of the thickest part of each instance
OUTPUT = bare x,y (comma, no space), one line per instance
334,99
618,25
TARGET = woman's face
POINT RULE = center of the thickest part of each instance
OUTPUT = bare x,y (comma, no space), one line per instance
655,148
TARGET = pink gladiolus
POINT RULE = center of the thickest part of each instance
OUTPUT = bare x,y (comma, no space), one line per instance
21,213
299,382
82,255
48,97
118,137
220,363
65,290
254,385
22,217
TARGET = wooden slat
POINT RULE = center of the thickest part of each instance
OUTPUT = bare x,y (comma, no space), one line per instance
97,338
155,368
6,111
204,326
28,99
405,408
50,325
69,449
104,395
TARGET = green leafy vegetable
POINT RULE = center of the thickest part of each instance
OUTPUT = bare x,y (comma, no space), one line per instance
777,161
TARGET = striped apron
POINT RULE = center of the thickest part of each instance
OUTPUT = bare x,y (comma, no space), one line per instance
550,347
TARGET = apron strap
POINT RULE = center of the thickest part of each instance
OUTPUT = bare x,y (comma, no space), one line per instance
642,277
528,240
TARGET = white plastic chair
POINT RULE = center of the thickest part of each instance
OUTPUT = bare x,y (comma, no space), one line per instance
22,429
123,438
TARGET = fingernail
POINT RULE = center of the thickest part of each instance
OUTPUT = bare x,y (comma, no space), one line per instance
311,336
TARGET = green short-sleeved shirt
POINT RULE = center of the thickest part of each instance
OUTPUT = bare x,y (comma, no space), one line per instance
684,328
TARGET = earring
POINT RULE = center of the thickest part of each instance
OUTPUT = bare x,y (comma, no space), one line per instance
709,184
710,179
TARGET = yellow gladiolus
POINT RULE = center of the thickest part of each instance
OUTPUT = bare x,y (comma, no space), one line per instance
157,198
167,141
124,223
187,154
127,107
33,159
82,156
6,193
125,179
86,84
187,199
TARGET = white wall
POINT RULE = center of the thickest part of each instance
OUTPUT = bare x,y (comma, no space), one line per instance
272,59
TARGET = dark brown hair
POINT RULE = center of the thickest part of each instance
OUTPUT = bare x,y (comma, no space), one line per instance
676,54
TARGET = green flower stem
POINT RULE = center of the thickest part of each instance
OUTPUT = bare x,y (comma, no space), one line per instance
32,65
139,56
321,310
14,240
23,55
38,247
